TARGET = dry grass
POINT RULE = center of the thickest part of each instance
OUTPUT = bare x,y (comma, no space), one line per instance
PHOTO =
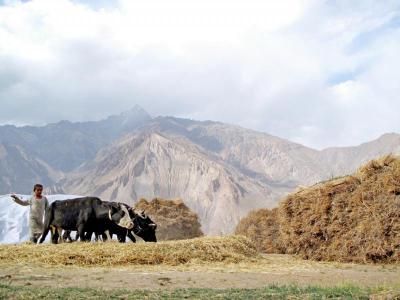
353,218
232,249
262,228
174,219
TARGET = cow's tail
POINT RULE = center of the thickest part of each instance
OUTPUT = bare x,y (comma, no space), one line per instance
47,220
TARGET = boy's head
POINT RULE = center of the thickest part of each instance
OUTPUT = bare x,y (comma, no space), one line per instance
38,189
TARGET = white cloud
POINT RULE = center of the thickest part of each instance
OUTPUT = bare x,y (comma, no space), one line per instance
309,71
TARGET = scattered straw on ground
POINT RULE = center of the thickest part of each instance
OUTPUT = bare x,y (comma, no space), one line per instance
232,249
174,219
353,218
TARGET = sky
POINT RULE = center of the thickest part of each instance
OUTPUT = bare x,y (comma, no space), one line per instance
320,73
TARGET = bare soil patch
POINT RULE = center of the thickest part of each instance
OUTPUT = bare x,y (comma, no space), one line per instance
266,270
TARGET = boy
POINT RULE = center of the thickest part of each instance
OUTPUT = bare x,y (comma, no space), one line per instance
38,205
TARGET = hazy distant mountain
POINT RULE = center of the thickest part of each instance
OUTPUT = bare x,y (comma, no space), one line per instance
62,146
264,157
146,164
341,161
221,171
19,170
65,145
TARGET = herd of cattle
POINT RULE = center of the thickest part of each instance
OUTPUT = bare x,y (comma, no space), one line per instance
90,215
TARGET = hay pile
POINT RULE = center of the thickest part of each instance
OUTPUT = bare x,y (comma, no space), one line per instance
262,228
354,218
174,219
200,251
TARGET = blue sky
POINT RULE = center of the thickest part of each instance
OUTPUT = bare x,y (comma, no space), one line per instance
322,73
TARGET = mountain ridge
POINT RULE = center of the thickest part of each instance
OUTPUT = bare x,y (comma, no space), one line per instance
221,171
143,164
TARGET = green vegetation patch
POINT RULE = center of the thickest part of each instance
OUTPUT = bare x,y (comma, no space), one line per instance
270,292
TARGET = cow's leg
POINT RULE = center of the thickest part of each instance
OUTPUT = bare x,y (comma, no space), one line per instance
55,237
131,236
67,236
81,232
46,226
88,236
59,233
44,234
83,219
99,237
121,238
109,237
52,229
64,236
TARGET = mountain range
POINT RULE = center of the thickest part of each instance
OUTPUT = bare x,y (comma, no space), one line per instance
221,171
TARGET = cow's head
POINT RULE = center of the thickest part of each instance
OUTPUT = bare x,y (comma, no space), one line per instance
144,227
119,214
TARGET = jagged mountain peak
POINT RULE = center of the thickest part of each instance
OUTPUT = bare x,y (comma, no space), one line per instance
136,110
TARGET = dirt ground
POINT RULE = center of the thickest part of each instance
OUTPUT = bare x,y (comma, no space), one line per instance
271,269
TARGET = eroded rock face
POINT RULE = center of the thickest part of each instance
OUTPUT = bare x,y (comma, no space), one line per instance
20,170
149,164
44,154
221,171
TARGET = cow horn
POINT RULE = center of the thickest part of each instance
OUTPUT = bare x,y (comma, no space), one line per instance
153,225
109,215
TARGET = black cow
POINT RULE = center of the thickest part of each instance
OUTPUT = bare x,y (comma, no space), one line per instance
88,214
143,227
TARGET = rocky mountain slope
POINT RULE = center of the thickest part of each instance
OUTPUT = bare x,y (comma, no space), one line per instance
272,159
346,160
40,154
221,171
19,169
264,157
149,163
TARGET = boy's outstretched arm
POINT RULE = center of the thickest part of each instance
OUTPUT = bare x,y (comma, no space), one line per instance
20,201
